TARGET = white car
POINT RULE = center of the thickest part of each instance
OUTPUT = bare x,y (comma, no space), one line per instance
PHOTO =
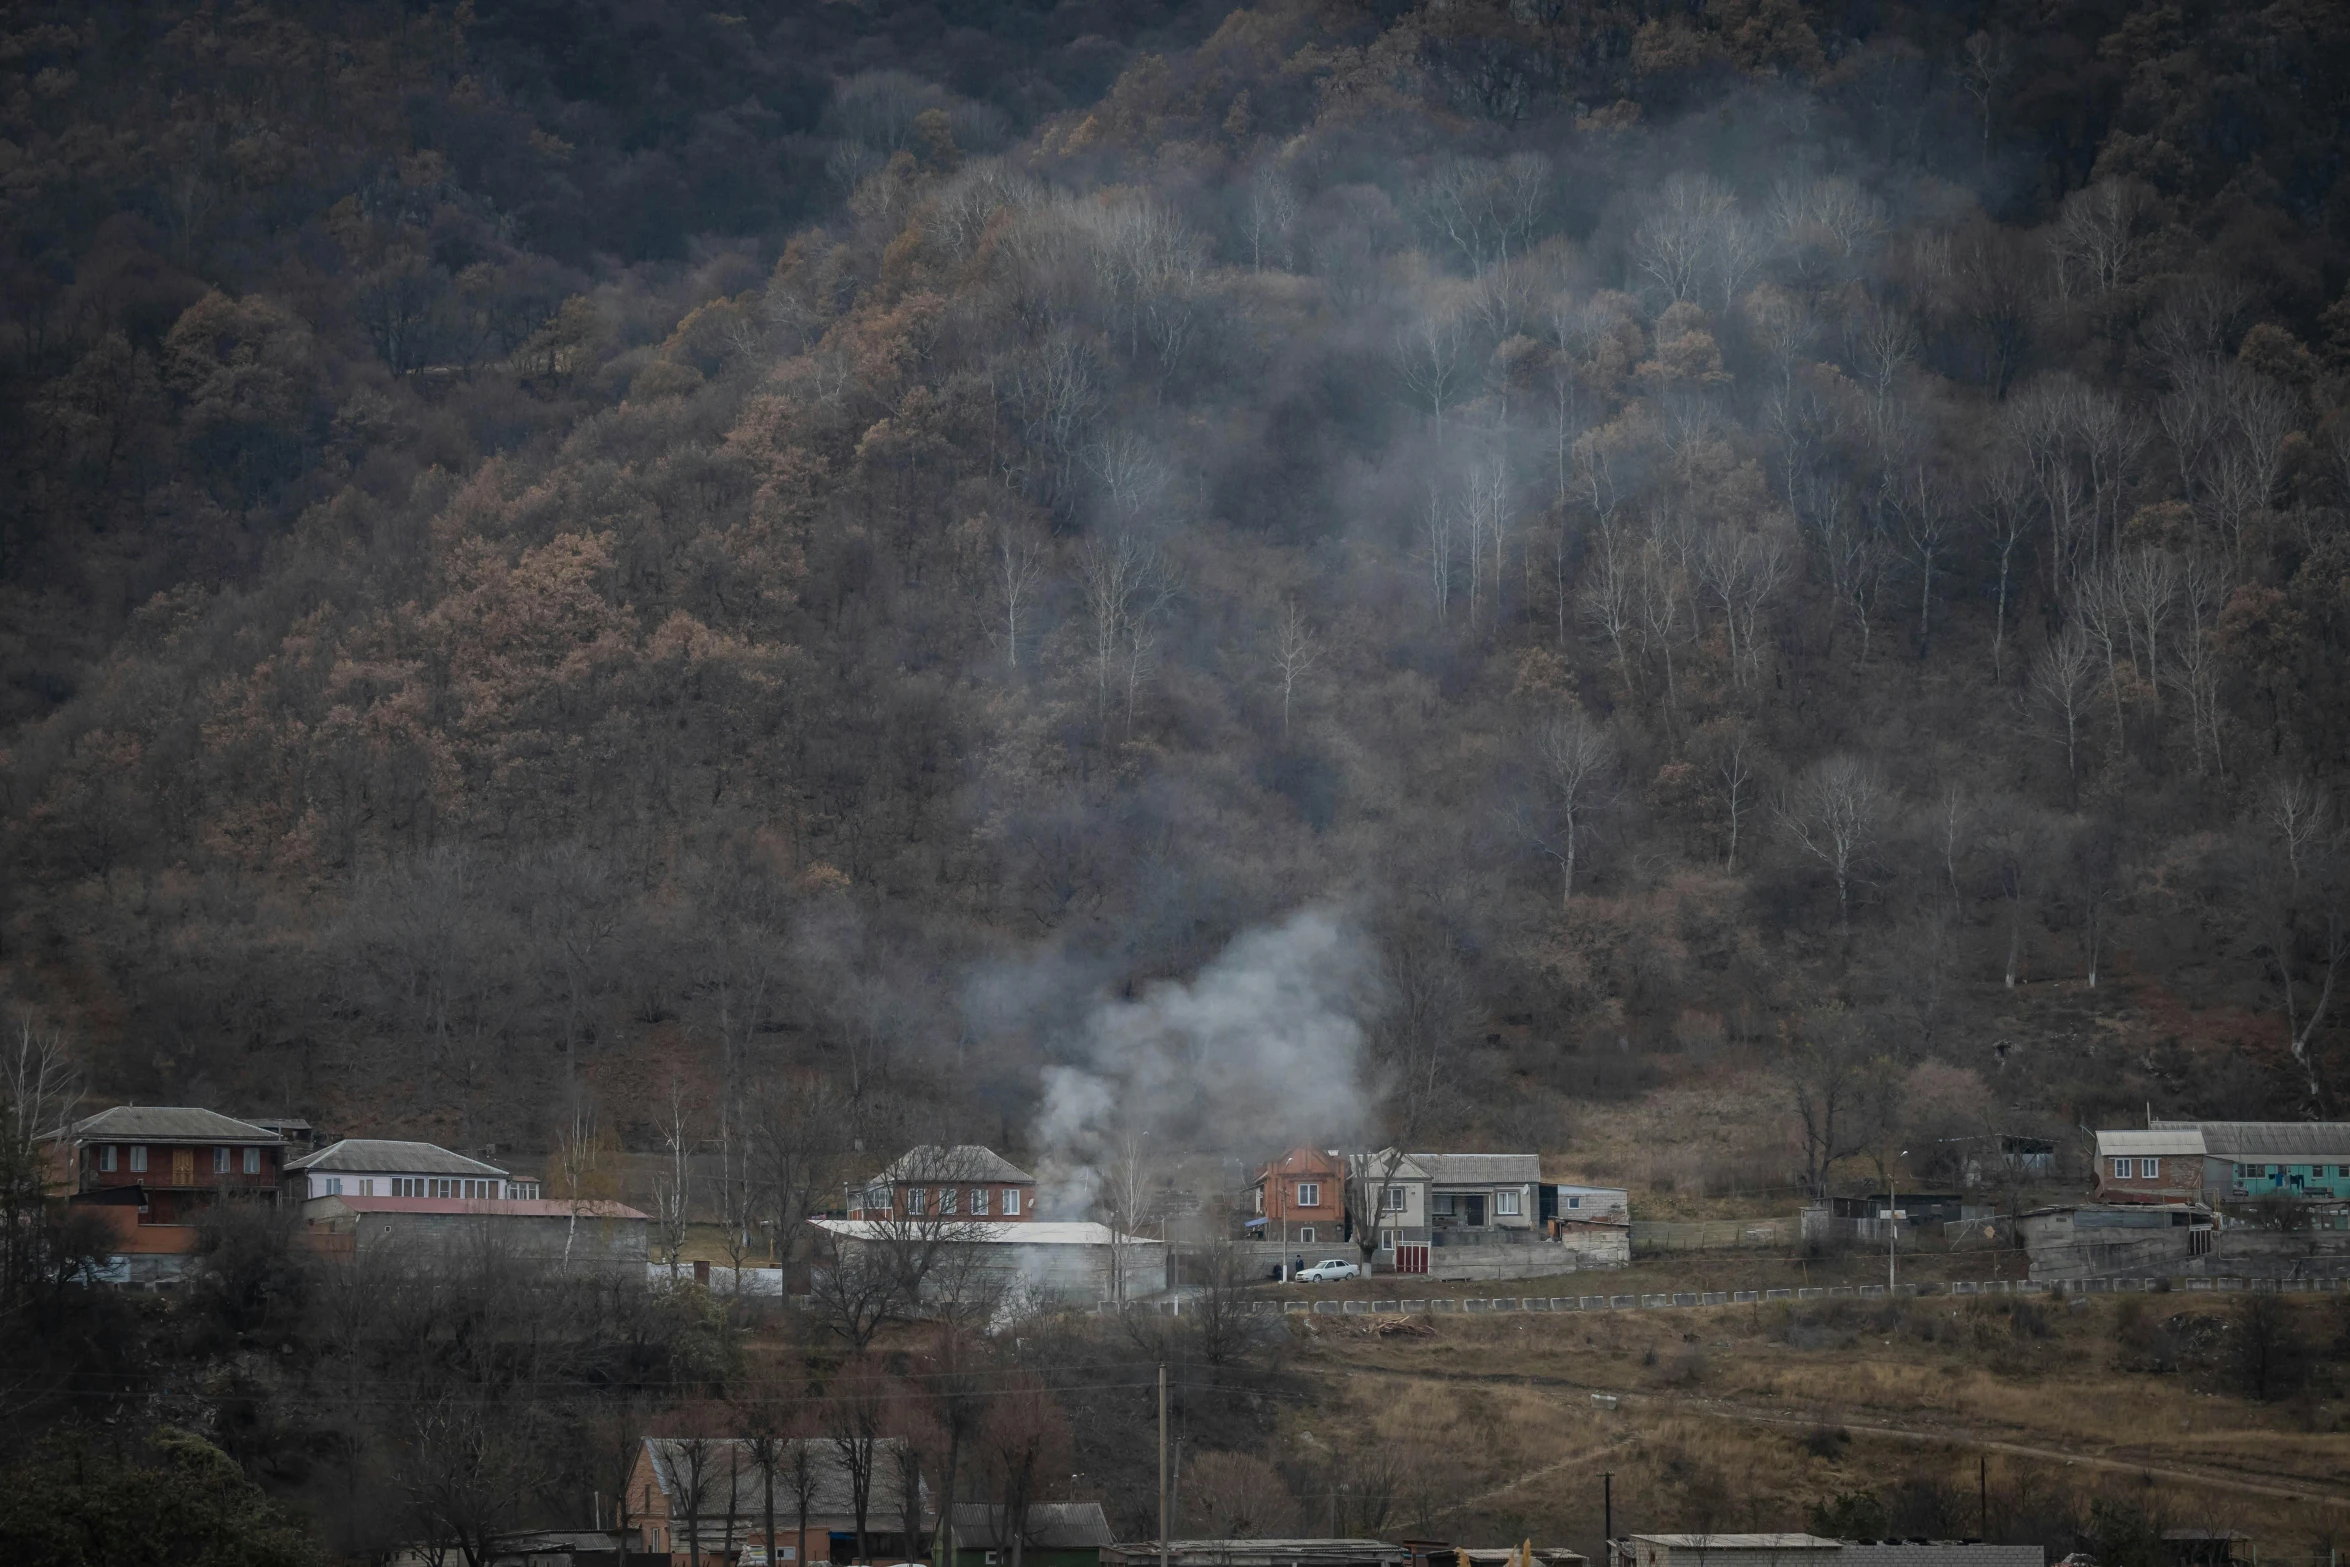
1328,1271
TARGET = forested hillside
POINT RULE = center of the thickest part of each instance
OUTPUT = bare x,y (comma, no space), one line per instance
589,558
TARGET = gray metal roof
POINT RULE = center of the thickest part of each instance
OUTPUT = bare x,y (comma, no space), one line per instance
2268,1139
170,1124
1050,1526
728,1459
384,1156
1480,1169
963,1162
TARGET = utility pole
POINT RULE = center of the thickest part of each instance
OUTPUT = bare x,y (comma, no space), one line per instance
1983,1497
1892,1222
1607,1491
1163,1553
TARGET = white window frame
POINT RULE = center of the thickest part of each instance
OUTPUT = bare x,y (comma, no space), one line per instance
979,1202
1309,1194
2149,1169
1305,1236
366,1186
1506,1203
1574,1202
914,1202
2121,1169
1394,1199
1011,1202
334,1186
252,1161
138,1158
947,1198
1260,1196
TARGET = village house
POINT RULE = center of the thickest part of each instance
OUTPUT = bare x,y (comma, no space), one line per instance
934,1184
2245,1161
710,1494
1052,1534
1299,1200
2154,1166
1480,1199
154,1171
379,1167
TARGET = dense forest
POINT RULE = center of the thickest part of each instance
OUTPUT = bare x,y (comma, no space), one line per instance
578,562
1708,589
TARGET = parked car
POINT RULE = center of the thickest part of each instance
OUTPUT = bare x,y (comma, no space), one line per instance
1329,1271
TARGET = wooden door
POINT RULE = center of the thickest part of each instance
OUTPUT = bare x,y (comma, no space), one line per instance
183,1167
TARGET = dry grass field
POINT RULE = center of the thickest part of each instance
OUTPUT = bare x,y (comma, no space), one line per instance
2016,1418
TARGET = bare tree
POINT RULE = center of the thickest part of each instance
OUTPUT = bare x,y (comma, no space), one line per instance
1019,570
39,1086
2063,682
1825,1064
673,1186
1431,358
1295,651
1986,64
1574,763
1833,814
2297,814
1127,587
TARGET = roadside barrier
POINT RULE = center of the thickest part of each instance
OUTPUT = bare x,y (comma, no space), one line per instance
1698,1300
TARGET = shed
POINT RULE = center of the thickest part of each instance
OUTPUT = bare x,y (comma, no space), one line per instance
1053,1534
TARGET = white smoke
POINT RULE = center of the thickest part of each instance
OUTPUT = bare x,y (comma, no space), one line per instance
1263,1049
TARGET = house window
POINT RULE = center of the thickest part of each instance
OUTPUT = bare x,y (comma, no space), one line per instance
1309,1194
978,1202
2150,1169
1506,1204
1387,1240
1305,1236
1260,1195
1574,1202
220,1161
252,1161
1011,1201
1393,1199
1442,1205
106,1156
914,1196
334,1186
366,1187
138,1158
2121,1169
946,1199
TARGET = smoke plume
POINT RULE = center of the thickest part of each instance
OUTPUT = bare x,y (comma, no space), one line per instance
1262,1048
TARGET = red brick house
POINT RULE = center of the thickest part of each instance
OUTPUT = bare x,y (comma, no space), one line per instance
963,1182
2157,1166
1299,1200
156,1169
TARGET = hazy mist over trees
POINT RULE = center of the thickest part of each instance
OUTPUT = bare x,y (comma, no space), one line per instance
620,561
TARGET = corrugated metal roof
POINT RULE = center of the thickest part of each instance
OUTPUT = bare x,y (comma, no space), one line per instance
2178,1140
963,1162
388,1156
1480,1169
2269,1139
1050,1526
170,1124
